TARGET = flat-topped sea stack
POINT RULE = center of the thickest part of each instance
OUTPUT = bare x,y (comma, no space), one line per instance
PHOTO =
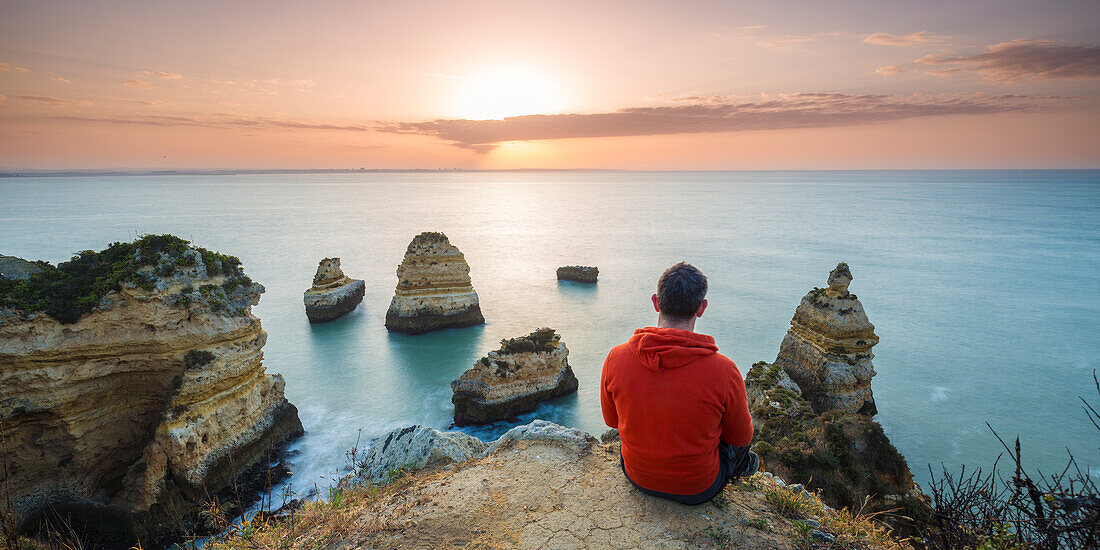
333,294
512,380
433,288
827,350
132,390
579,273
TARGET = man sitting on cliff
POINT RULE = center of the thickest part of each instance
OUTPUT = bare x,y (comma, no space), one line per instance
679,405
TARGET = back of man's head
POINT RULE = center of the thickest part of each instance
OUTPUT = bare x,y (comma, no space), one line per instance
681,290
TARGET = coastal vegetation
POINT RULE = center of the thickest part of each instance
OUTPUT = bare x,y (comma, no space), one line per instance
539,341
71,289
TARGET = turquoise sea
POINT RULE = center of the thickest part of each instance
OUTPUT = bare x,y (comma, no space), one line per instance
984,286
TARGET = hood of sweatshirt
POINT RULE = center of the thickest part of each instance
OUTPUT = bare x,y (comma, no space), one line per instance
668,348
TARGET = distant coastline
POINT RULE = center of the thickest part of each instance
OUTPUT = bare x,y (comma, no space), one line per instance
31,173
88,173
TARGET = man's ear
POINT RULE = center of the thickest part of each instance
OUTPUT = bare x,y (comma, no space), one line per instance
656,307
702,308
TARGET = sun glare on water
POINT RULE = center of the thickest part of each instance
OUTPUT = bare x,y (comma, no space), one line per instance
507,92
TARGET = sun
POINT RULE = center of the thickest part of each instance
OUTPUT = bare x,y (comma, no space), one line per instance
505,92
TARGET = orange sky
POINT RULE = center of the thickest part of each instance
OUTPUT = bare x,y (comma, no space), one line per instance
639,85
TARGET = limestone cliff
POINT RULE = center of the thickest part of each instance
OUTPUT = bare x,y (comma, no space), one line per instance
514,379
333,294
139,406
827,350
812,410
433,288
579,273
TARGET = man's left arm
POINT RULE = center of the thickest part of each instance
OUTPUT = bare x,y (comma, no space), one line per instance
736,421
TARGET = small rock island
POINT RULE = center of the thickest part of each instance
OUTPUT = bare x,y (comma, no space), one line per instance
578,273
512,380
433,288
333,294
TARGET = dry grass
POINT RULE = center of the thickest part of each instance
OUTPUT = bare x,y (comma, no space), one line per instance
852,529
319,524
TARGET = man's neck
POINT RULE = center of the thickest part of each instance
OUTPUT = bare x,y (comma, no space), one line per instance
688,325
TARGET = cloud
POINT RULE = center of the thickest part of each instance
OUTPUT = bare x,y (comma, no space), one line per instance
1022,60
714,114
140,84
883,39
164,75
46,99
4,67
220,120
3,97
890,70
785,42
62,80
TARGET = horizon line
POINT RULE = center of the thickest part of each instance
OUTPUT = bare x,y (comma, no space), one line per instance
34,172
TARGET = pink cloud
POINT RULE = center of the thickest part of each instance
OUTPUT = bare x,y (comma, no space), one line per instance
884,39
1022,60
140,84
713,114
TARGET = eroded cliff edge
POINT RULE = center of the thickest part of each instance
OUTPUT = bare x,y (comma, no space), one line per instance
141,393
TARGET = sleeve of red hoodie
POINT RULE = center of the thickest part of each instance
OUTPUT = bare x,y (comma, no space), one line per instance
736,421
607,405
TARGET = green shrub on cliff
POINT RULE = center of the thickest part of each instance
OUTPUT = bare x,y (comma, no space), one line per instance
540,340
69,290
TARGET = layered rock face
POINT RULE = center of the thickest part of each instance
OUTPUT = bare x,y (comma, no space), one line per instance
131,416
433,288
827,350
333,294
514,379
579,273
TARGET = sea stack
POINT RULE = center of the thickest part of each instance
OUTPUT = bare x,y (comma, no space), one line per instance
579,273
136,391
827,350
333,294
433,288
512,380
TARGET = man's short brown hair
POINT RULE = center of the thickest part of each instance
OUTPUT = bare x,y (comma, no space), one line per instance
681,290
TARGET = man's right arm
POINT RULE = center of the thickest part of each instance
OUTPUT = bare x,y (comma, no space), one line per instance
607,402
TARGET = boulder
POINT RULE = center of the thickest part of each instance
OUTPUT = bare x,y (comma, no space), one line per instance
415,448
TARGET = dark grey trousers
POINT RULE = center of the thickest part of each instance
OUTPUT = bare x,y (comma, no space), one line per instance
732,462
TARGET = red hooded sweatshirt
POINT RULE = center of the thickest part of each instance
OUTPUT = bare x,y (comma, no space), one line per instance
673,397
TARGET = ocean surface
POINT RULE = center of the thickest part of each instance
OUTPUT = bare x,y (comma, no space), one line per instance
984,286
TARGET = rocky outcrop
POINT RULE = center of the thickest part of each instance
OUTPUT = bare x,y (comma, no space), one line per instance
827,350
333,294
12,267
415,448
514,379
579,273
433,288
129,416
812,410
547,486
